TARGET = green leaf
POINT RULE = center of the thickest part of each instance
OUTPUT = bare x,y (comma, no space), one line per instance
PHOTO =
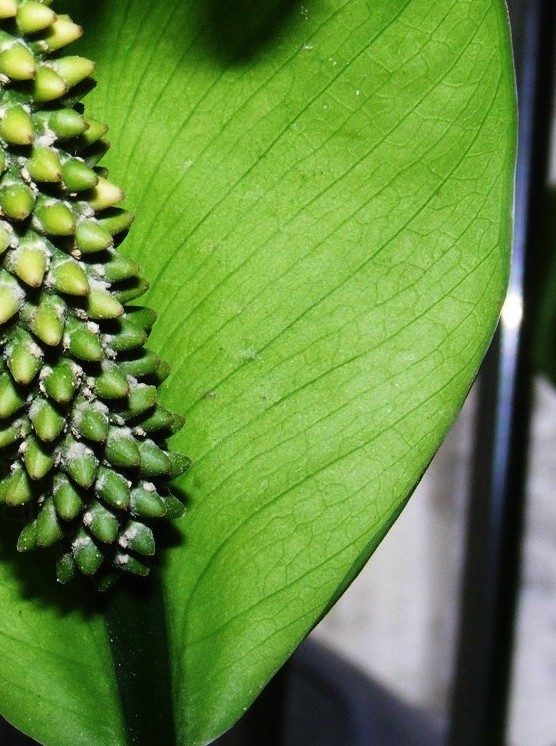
323,197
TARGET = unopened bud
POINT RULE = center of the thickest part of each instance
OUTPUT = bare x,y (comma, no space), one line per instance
16,126
17,62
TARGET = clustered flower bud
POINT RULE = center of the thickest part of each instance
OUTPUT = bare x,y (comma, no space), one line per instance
82,435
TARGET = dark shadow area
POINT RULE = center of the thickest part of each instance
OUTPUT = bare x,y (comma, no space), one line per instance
325,701
135,617
10,736
84,12
237,31
35,572
230,32
137,630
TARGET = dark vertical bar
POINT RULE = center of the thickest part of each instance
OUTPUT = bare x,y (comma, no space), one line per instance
137,630
495,517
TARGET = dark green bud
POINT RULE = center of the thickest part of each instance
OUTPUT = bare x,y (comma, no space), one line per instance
141,398
133,289
91,420
111,383
180,464
16,488
112,488
12,397
65,568
82,436
77,176
49,530
47,421
128,337
142,317
88,557
154,461
60,382
119,268
161,419
174,507
143,365
121,448
28,538
137,537
146,503
68,276
133,565
67,500
24,357
82,342
102,524
79,462
38,458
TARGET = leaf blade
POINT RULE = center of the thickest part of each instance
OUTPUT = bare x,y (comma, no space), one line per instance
334,215
241,304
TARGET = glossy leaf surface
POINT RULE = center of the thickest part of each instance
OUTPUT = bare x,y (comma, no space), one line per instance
323,197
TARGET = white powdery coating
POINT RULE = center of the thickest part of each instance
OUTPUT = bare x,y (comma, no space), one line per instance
6,280
35,350
46,370
87,518
36,406
81,541
27,176
46,139
129,535
101,481
98,284
76,451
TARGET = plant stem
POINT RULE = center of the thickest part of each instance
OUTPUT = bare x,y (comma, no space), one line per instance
136,624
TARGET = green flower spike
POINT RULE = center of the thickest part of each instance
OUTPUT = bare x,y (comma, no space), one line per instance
82,436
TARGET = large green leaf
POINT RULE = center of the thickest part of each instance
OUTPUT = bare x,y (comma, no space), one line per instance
323,197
